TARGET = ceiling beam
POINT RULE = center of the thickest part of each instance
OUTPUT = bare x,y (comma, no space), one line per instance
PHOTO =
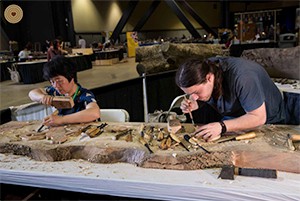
147,15
122,22
192,12
176,9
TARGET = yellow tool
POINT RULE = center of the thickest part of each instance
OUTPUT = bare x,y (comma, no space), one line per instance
239,137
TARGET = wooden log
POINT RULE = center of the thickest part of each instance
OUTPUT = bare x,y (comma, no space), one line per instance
272,60
168,56
177,53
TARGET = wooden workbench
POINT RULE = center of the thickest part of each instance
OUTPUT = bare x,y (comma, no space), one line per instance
268,150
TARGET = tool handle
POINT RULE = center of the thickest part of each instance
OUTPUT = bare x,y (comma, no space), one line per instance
142,141
295,137
55,112
174,137
190,112
246,136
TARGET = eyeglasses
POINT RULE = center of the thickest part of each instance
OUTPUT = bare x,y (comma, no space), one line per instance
56,82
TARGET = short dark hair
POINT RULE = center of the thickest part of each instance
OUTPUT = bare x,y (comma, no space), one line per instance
60,65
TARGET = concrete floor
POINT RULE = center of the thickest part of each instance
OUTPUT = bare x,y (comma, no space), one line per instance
14,94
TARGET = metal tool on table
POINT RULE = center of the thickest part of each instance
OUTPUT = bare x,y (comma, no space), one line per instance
194,142
143,142
92,131
291,139
246,136
174,126
174,137
228,172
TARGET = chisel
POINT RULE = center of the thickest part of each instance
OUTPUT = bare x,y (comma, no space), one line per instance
143,142
237,138
42,126
193,142
228,172
174,137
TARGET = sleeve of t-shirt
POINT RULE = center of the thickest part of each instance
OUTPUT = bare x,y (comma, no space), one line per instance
249,92
88,97
51,91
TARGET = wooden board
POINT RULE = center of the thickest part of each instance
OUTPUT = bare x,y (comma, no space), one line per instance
267,150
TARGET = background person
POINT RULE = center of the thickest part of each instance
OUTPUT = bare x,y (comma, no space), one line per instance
62,75
81,42
238,89
24,54
54,49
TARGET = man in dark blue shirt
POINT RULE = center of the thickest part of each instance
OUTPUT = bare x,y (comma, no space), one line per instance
238,89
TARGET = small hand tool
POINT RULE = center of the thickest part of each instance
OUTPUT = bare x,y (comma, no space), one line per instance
228,172
291,139
174,126
191,116
174,137
42,126
92,131
143,142
246,136
193,142
123,133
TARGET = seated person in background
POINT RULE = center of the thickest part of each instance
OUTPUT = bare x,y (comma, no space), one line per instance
62,75
54,49
238,89
24,54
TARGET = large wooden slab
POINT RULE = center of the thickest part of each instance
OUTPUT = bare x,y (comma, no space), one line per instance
268,150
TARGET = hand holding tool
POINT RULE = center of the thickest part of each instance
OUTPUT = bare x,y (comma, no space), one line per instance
59,102
191,116
228,172
246,136
62,102
193,142
42,126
